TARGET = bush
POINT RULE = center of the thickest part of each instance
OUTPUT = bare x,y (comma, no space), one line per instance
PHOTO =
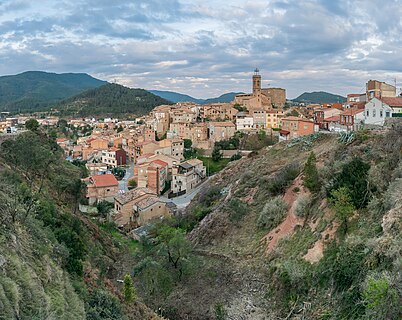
282,179
272,214
237,209
381,298
311,179
104,207
302,207
103,305
132,184
236,156
354,177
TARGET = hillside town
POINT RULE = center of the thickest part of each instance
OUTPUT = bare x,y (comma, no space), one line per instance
143,167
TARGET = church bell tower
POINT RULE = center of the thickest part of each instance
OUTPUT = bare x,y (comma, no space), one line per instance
256,82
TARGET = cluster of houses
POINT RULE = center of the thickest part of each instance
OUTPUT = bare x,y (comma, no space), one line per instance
153,145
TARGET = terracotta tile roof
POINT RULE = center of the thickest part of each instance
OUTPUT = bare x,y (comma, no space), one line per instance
104,180
351,112
392,102
160,162
333,118
285,132
358,105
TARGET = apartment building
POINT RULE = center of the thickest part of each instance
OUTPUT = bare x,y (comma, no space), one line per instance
187,175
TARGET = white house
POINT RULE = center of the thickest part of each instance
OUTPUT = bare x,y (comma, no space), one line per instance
377,110
244,121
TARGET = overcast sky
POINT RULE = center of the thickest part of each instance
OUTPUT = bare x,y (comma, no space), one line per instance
208,47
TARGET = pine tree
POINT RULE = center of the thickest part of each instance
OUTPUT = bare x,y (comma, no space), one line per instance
129,290
216,154
311,177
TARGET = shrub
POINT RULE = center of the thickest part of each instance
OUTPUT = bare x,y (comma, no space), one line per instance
381,298
281,180
272,214
354,176
302,207
104,207
220,312
132,184
311,178
237,209
236,156
103,305
216,154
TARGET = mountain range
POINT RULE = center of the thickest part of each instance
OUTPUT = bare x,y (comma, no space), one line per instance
179,97
36,89
319,97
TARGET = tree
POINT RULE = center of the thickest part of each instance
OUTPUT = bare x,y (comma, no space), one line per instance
354,177
216,154
174,245
103,305
132,184
128,289
187,143
311,178
32,125
120,129
342,203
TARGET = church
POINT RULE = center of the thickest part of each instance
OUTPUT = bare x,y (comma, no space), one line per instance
262,98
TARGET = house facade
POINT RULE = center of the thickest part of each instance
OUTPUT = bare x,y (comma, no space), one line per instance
187,175
294,127
376,111
101,188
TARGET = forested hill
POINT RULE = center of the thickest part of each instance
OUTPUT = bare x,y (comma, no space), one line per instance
36,89
320,97
179,97
110,100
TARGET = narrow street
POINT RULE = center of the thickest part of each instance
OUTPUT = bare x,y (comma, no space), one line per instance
123,184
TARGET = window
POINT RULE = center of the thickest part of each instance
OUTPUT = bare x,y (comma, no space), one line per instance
374,113
368,113
387,114
381,113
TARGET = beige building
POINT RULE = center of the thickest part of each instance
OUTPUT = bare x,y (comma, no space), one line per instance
152,175
101,187
139,206
274,118
218,111
187,175
266,98
379,90
171,147
218,131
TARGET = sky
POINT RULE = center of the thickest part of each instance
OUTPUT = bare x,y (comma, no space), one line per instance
208,47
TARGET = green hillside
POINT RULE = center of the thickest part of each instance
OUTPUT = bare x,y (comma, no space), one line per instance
110,100
36,89
320,97
55,262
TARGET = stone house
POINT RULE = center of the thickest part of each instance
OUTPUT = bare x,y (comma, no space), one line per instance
139,206
218,131
101,188
187,175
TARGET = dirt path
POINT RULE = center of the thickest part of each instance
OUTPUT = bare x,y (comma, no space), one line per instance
291,221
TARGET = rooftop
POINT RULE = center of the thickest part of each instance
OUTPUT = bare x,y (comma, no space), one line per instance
104,180
392,102
132,195
223,124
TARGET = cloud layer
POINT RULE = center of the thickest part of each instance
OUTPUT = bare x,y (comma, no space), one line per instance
205,48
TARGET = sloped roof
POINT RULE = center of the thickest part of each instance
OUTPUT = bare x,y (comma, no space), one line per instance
104,180
351,112
392,102
333,118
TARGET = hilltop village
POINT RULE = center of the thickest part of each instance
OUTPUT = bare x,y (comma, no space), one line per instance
150,167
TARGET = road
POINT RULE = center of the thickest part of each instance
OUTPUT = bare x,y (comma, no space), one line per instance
184,200
123,183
